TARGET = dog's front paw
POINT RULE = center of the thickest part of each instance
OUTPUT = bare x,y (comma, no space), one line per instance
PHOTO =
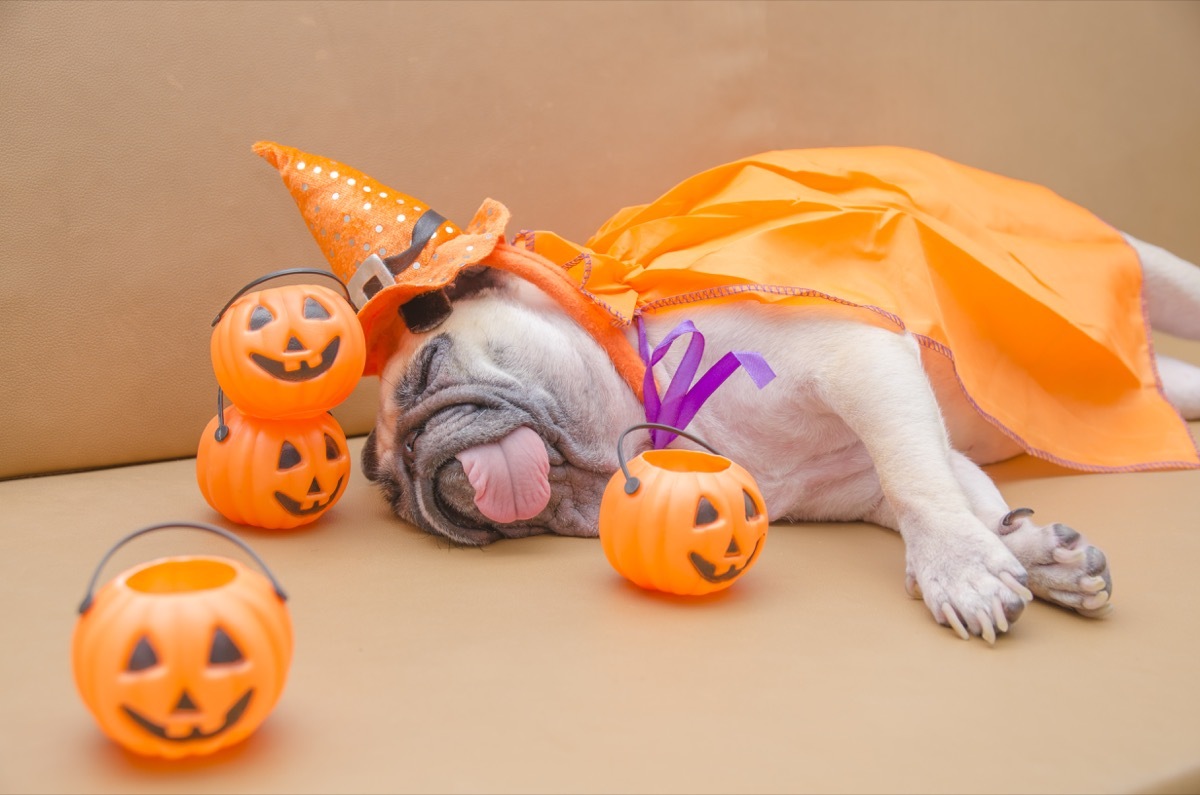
968,579
1063,567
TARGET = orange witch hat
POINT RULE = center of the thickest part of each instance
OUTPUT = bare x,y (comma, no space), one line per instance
392,251
372,234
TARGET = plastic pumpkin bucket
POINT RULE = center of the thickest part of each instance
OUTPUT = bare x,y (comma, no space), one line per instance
681,521
182,656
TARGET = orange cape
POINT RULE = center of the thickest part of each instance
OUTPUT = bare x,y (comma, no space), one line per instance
1035,301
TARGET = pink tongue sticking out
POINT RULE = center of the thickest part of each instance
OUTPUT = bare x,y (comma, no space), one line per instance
509,476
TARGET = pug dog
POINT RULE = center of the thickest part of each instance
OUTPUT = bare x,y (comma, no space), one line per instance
501,423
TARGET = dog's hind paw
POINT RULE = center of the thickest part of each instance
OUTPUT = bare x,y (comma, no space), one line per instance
1063,567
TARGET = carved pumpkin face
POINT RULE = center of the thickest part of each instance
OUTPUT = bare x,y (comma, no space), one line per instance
694,525
275,474
183,656
288,351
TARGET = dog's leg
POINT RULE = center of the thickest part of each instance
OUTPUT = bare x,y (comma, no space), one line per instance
1172,290
1063,567
970,581
1181,385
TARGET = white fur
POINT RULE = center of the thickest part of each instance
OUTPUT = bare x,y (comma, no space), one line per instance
853,428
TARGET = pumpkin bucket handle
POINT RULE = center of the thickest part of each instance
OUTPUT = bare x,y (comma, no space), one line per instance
631,483
222,431
277,274
87,600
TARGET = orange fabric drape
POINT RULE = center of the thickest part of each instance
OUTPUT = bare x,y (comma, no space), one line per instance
1037,302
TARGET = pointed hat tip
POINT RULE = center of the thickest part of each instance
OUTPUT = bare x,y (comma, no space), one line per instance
271,152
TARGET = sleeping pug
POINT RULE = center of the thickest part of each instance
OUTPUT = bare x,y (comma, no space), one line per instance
501,423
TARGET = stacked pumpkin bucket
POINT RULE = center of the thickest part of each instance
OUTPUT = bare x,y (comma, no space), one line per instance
284,356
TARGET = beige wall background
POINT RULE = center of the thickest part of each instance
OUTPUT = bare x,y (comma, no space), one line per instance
131,206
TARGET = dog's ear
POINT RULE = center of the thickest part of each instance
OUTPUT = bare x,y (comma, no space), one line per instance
370,458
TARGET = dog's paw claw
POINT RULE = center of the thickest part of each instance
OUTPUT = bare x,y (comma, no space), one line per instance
1016,587
998,614
985,625
986,630
954,622
1099,612
1068,557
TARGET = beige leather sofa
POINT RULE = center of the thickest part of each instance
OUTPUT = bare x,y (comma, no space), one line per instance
131,208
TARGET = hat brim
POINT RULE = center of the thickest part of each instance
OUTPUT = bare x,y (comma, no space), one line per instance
380,316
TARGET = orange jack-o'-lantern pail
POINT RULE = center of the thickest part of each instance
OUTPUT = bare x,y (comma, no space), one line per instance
182,656
681,521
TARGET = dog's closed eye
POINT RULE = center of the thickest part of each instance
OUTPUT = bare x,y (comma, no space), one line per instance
423,371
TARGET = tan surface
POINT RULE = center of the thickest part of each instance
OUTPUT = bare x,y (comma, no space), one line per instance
531,667
132,206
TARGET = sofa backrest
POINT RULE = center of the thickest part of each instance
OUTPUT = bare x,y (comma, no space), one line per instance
131,206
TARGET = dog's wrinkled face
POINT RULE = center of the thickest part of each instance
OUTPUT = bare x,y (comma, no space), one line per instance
500,423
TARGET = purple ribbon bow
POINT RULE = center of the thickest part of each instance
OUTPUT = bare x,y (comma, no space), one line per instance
680,404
